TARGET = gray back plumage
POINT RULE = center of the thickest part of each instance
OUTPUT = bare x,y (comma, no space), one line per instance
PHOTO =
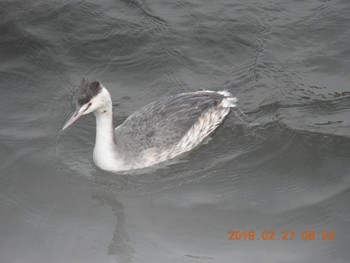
163,123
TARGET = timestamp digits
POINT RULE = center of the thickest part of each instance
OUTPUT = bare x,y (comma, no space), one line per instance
281,235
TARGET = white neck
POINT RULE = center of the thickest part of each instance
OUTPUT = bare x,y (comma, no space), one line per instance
105,154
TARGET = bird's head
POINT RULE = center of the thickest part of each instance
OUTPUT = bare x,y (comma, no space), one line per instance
92,97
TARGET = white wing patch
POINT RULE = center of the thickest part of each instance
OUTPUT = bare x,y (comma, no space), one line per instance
204,126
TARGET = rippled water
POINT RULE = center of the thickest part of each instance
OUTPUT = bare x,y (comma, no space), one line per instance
286,61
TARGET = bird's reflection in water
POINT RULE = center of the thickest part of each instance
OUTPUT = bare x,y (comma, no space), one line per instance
120,246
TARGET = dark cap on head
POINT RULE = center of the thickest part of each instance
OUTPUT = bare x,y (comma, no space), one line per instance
87,90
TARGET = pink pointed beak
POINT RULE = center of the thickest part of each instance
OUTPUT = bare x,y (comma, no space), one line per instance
73,119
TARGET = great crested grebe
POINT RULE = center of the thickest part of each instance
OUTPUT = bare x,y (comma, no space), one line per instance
160,131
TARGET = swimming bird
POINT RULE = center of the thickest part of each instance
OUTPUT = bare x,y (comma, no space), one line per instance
159,131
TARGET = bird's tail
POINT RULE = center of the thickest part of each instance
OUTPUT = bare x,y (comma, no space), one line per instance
229,101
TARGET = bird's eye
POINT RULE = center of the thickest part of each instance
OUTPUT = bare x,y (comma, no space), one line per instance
90,103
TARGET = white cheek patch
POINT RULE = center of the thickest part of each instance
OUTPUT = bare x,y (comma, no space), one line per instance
100,100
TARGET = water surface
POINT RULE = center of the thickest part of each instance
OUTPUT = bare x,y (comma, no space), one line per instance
286,61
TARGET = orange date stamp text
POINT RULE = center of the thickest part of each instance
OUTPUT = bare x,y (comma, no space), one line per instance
284,235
